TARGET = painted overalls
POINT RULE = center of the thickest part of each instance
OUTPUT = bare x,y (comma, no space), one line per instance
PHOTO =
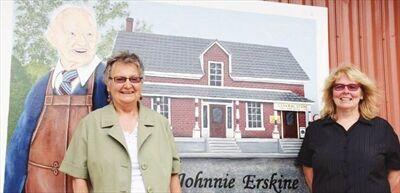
59,117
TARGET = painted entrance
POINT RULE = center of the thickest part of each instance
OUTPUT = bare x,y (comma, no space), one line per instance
289,124
217,121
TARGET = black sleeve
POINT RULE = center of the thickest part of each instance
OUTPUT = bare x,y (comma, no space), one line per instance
305,155
393,153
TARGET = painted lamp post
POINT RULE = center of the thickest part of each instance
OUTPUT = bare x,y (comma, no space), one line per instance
275,119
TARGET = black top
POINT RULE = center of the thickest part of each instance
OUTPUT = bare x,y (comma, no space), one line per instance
356,160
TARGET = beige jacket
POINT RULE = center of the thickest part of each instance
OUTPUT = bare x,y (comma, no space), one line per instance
98,152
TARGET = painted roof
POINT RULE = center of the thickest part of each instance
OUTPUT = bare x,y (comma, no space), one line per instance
221,93
175,54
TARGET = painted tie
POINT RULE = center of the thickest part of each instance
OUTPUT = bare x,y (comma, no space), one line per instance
68,77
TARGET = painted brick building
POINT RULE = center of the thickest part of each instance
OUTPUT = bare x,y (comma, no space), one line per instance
218,89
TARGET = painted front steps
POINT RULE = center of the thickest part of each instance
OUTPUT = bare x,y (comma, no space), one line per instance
290,145
222,145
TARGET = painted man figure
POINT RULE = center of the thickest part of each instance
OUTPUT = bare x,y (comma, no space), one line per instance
55,105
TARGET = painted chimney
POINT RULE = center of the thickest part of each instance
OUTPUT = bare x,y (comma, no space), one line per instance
129,24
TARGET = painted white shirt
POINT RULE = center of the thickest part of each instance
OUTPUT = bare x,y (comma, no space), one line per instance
137,184
84,73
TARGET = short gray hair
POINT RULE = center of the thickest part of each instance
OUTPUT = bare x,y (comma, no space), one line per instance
124,57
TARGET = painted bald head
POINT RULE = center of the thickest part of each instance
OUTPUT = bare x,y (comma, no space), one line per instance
73,32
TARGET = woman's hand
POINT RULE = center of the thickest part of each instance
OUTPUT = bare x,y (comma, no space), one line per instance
394,181
308,175
80,186
175,187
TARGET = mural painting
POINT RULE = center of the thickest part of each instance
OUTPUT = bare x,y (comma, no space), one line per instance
238,101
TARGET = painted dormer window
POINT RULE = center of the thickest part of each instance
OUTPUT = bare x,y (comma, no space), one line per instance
215,73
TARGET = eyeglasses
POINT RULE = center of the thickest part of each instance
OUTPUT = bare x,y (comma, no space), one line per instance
350,87
122,79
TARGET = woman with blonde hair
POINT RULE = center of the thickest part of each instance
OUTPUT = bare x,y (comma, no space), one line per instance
350,149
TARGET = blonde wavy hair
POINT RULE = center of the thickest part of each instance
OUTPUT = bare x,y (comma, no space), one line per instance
368,106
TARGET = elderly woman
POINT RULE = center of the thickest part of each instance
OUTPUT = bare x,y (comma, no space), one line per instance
123,147
350,149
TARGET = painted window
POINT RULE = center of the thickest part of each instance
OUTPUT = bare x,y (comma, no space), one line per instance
205,119
290,118
254,115
229,117
215,74
216,115
163,102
